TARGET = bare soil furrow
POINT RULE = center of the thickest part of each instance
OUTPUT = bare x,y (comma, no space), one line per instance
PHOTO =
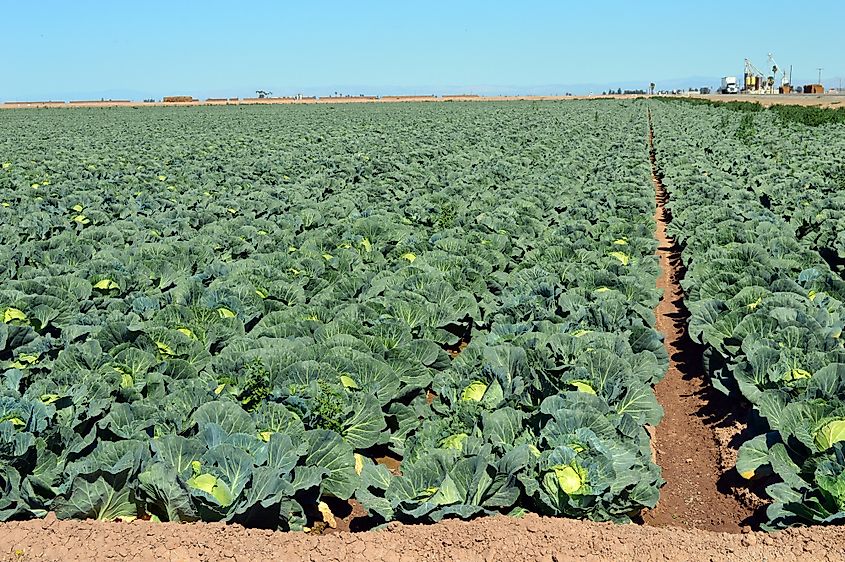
699,487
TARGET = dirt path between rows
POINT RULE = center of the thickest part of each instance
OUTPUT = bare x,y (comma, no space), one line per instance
686,442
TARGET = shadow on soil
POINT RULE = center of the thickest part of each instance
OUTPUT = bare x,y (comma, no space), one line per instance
718,410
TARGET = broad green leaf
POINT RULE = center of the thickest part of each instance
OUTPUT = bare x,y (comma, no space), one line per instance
327,450
100,499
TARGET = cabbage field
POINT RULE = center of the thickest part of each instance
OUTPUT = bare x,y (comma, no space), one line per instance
759,213
248,314
256,314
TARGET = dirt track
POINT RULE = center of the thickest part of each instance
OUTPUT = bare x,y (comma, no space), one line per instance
697,493
821,100
498,538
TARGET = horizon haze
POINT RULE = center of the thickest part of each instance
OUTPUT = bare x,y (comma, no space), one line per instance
93,50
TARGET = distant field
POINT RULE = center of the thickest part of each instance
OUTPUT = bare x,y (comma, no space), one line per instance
292,101
821,100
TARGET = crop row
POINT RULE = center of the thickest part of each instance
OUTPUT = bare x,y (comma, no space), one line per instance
238,314
764,301
795,171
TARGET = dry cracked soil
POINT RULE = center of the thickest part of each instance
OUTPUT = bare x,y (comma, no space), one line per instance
495,538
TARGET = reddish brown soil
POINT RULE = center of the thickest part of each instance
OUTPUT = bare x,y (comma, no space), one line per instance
393,464
497,538
347,516
685,441
456,350
730,435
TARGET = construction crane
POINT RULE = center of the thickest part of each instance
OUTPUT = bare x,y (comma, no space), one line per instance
785,82
756,82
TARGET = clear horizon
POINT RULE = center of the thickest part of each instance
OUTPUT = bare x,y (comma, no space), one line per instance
95,50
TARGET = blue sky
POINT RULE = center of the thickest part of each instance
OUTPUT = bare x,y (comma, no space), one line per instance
84,48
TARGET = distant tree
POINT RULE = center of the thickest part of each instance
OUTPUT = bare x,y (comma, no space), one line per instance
651,87
618,91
